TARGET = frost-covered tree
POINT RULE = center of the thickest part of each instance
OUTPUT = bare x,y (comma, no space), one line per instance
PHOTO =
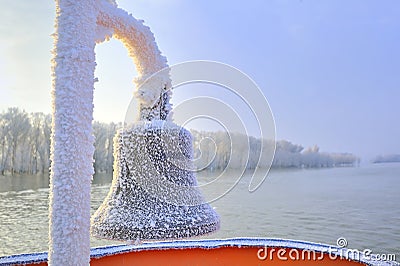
39,142
17,127
100,133
44,150
24,142
103,155
109,157
3,143
36,141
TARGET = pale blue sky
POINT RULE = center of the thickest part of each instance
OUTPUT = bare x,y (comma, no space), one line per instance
329,69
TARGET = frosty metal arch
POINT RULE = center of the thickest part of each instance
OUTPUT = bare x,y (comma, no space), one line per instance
72,149
142,48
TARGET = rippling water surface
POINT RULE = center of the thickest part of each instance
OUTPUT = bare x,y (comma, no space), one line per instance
360,204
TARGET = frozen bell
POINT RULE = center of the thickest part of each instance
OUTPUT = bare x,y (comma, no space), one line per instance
154,193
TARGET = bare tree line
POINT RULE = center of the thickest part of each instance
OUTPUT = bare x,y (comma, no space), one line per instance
214,150
25,148
25,143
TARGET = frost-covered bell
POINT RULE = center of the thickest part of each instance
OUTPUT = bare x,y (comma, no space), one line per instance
154,193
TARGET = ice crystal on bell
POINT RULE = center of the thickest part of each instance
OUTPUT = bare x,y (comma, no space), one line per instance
154,193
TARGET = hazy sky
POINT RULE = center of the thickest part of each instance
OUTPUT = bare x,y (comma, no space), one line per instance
329,69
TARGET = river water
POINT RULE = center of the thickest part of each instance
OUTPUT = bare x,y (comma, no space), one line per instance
360,204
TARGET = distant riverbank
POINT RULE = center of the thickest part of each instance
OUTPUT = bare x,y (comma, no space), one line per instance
388,158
